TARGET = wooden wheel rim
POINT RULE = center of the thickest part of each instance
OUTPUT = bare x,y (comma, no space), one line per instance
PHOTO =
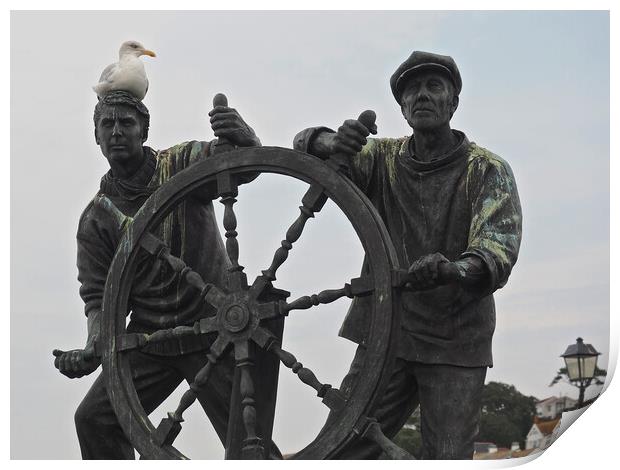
369,229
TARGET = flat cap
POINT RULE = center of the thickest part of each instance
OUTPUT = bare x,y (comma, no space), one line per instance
419,60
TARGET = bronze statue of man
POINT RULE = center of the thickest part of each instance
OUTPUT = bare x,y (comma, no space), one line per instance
158,296
453,212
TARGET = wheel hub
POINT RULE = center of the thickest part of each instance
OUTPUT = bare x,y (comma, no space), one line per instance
235,318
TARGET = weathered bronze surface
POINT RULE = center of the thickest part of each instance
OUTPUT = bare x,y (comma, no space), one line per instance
244,315
244,326
453,212
424,334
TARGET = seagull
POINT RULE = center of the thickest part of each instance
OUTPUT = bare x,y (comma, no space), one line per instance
127,74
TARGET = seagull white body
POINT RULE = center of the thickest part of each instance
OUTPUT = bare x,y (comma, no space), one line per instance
127,74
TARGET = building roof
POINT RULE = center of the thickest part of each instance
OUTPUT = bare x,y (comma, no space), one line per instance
547,427
550,399
554,399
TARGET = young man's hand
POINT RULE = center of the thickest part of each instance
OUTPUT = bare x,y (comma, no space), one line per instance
227,123
76,363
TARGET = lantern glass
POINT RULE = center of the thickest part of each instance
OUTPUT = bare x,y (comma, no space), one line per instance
580,368
588,366
572,366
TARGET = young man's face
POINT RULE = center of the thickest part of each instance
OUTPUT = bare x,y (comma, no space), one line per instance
428,100
120,135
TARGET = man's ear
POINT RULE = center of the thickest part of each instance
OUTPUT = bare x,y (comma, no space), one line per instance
96,136
402,111
455,103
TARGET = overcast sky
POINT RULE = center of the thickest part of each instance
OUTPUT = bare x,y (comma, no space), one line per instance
535,91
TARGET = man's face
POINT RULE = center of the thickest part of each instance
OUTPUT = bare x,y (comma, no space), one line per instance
120,135
428,100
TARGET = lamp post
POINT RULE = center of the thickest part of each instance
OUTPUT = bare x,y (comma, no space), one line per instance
580,361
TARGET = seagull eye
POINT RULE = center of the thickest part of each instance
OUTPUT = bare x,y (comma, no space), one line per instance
135,46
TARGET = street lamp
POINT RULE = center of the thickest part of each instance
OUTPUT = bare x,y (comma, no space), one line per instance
580,361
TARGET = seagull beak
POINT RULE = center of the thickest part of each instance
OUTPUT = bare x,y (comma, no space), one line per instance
147,52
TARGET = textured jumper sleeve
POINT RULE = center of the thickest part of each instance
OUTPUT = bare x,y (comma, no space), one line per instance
179,157
96,243
303,140
185,155
495,231
361,165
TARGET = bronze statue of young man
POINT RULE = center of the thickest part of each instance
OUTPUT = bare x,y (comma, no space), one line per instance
158,297
451,207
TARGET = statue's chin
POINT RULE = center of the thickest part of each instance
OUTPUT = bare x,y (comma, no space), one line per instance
121,156
427,124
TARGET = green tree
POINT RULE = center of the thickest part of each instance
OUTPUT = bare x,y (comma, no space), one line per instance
597,379
507,414
409,437
562,376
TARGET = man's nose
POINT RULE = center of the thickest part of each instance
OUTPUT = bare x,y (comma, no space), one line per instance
116,130
423,95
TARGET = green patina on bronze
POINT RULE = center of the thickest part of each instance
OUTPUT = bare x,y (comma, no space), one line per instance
462,204
163,172
169,162
499,184
389,148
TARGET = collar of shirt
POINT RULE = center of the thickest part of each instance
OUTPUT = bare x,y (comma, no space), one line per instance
457,152
135,186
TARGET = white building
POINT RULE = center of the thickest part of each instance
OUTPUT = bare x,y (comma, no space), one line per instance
552,407
485,448
542,434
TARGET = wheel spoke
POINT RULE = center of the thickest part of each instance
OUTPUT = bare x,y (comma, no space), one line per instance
332,397
210,293
374,433
263,337
169,427
130,341
358,287
268,310
173,333
312,202
323,297
227,188
252,444
208,325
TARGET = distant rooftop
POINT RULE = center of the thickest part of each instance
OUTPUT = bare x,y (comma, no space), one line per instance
547,427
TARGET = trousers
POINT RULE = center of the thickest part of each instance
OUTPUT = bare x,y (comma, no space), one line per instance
449,398
155,378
